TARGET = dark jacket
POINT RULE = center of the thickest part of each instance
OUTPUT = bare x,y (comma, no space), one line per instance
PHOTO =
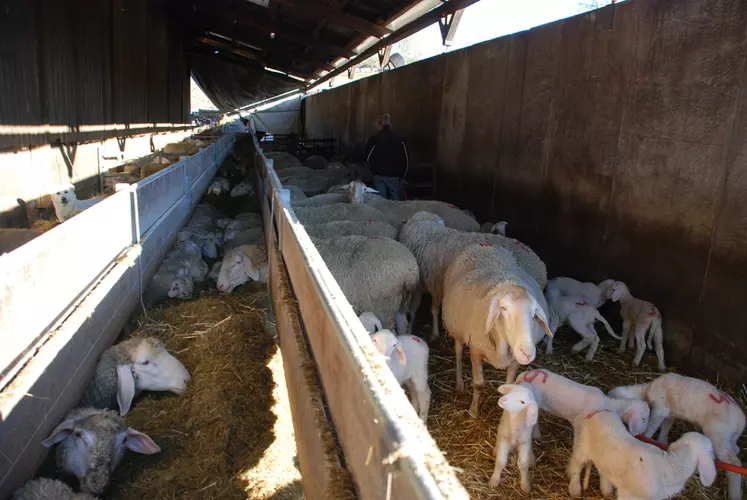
386,154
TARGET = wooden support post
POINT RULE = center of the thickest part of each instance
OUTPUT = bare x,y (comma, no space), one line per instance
384,55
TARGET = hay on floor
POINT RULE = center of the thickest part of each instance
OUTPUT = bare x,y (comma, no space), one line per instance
231,435
468,442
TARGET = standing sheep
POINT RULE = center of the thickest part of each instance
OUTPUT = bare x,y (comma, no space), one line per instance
336,229
581,316
401,211
596,295
640,318
494,307
674,396
340,211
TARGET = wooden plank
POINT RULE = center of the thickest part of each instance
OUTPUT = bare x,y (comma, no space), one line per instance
336,16
93,78
58,63
158,65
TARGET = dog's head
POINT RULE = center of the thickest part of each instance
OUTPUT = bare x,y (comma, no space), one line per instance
66,195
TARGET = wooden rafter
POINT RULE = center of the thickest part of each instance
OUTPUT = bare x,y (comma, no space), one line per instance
336,16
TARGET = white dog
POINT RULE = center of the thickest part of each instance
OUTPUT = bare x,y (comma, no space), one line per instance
66,204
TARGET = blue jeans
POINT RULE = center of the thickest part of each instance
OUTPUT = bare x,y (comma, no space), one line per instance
388,187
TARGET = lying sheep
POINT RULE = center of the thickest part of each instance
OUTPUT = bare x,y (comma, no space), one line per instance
91,444
673,396
169,283
243,188
436,246
195,267
353,192
219,186
339,211
370,322
409,366
294,171
66,203
316,162
282,160
336,229
596,295
215,271
131,367
520,412
48,489
642,319
581,316
311,185
253,235
492,305
12,238
241,264
566,398
375,274
636,469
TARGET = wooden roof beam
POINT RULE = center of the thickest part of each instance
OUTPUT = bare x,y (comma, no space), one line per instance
336,16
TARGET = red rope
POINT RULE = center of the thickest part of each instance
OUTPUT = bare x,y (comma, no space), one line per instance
719,464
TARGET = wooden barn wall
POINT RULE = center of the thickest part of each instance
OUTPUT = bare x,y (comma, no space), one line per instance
614,143
90,62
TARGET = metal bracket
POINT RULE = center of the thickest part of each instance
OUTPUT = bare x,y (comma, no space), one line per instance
384,55
351,72
152,145
121,143
449,25
68,152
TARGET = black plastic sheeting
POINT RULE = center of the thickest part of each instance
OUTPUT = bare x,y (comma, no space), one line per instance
231,85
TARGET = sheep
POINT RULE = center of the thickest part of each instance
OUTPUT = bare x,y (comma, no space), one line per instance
241,225
282,160
435,246
636,469
66,203
492,305
131,367
698,402
370,322
91,444
596,295
195,267
181,148
339,211
311,185
375,274
215,271
149,169
410,366
254,235
497,228
336,229
520,412
48,489
169,283
566,398
243,188
402,211
316,162
296,194
12,238
581,316
241,264
219,186
353,192
639,317
469,213
295,171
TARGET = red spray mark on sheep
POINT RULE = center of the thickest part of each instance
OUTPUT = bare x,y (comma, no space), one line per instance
722,397
533,374
588,416
583,304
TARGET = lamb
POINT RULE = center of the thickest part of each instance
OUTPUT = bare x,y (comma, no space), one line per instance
48,489
497,228
698,402
436,246
375,274
219,186
339,211
66,203
12,238
336,229
639,317
243,188
566,398
492,305
169,282
241,264
131,367
636,469
195,267
410,366
91,444
595,295
581,316
520,412
370,322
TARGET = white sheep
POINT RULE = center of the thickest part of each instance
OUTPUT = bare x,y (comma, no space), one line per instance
219,186
596,295
640,318
91,444
401,211
282,160
496,308
169,282
581,316
178,260
336,229
370,322
243,188
672,396
352,192
241,264
48,489
520,412
436,246
409,366
340,211
66,203
638,470
497,228
566,398
131,367
254,235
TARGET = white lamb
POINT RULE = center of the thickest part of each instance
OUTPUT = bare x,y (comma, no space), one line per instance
410,366
370,322
641,318
219,186
497,228
581,316
638,470
596,295
566,398
66,203
520,412
698,402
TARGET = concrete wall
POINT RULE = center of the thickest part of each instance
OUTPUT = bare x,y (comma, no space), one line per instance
613,142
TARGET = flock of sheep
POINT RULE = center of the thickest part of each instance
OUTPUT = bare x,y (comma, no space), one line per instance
493,294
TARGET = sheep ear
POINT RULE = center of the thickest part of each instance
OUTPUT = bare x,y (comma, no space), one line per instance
506,388
706,469
400,353
140,443
494,311
250,269
378,343
532,415
370,190
125,388
61,432
616,293
539,317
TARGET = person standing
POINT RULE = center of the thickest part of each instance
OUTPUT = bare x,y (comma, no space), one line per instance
386,156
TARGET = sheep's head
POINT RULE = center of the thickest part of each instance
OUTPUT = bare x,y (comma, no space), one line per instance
636,415
499,228
386,343
370,322
606,288
702,449
92,443
512,313
182,287
618,290
517,399
237,268
215,271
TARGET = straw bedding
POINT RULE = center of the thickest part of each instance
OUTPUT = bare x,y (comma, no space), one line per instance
468,442
231,435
